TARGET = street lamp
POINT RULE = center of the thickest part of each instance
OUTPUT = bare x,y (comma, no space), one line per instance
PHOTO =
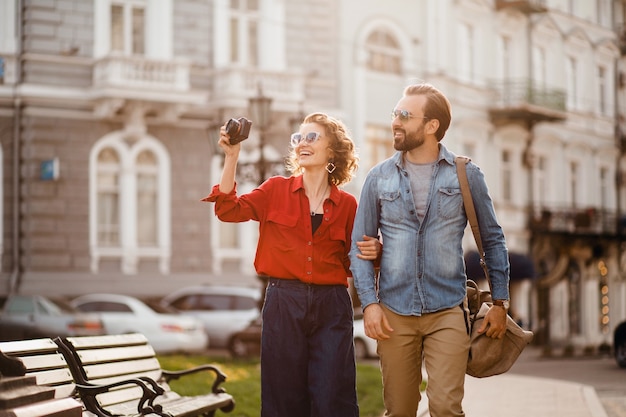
260,113
269,162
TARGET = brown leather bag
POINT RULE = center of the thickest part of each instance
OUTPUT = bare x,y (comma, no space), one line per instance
487,356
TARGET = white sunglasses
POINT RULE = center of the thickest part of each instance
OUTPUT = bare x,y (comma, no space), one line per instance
310,137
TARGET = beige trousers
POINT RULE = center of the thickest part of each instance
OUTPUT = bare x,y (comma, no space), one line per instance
438,339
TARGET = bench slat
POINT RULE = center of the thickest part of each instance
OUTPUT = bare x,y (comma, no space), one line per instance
40,362
194,406
120,396
115,354
103,370
86,342
28,346
154,375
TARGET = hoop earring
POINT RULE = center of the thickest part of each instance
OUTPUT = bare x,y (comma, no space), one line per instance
330,167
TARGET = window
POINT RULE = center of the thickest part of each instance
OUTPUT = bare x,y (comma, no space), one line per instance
539,67
379,144
129,202
571,75
573,173
147,193
128,27
507,177
244,32
541,180
602,91
383,53
604,188
466,52
469,149
504,65
108,198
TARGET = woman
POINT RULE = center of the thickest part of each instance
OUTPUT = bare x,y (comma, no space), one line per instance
305,223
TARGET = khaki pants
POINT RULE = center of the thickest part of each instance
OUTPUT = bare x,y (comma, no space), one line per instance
441,340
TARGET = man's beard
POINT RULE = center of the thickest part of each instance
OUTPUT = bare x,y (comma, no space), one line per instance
411,140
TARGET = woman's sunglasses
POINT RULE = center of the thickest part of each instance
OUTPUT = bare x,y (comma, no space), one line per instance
310,137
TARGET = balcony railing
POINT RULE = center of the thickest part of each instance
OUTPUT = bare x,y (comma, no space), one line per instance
524,6
523,99
590,221
141,73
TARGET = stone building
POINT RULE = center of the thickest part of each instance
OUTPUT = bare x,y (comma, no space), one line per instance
109,109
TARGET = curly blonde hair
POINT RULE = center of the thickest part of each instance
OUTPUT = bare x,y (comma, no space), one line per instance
344,155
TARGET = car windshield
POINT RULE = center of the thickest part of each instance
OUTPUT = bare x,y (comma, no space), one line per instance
160,308
55,306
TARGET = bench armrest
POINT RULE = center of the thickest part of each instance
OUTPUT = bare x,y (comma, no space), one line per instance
88,392
219,376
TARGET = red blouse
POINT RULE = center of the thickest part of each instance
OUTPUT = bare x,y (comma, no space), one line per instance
287,247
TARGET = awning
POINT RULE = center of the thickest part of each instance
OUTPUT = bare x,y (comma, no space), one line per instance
521,266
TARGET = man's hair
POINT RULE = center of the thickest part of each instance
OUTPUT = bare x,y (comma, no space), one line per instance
437,106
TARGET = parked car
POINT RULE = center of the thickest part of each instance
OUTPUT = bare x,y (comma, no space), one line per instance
223,310
167,331
248,341
619,344
35,316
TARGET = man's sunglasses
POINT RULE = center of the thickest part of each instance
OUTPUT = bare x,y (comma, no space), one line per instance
404,115
310,137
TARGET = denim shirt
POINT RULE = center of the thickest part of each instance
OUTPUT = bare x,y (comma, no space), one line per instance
422,269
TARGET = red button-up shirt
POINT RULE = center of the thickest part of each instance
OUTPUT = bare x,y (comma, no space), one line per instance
287,247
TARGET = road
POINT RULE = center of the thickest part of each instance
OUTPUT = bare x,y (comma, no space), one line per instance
600,372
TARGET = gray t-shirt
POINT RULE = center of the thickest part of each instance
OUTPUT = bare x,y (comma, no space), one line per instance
420,176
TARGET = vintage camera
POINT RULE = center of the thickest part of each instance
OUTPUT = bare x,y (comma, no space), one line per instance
238,129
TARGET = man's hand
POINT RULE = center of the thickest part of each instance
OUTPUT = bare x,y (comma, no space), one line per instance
375,322
494,322
370,248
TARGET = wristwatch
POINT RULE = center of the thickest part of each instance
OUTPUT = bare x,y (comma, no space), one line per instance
502,303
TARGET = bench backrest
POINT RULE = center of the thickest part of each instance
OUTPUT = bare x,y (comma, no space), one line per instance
43,360
113,358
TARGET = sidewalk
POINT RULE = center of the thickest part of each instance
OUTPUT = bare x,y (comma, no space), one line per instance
523,396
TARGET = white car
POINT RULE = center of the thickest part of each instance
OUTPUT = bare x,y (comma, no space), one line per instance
224,310
364,346
167,332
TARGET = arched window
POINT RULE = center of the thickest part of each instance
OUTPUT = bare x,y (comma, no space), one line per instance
383,52
108,198
130,203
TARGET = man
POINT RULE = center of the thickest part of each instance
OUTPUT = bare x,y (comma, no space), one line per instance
413,201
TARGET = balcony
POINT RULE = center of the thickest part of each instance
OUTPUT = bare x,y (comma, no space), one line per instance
521,100
232,87
526,7
577,222
123,75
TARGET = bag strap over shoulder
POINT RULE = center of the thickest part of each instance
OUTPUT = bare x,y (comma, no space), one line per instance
470,211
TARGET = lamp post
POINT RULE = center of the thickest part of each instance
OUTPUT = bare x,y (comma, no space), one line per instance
259,107
256,170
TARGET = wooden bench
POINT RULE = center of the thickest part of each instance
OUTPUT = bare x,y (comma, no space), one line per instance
107,359
20,396
42,365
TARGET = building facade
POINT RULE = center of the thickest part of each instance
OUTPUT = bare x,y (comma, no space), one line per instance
109,110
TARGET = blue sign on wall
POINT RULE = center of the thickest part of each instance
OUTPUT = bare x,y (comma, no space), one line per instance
49,170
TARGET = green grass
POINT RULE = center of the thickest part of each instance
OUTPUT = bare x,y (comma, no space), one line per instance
244,383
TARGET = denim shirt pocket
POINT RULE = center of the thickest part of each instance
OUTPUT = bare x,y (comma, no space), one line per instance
449,203
391,206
